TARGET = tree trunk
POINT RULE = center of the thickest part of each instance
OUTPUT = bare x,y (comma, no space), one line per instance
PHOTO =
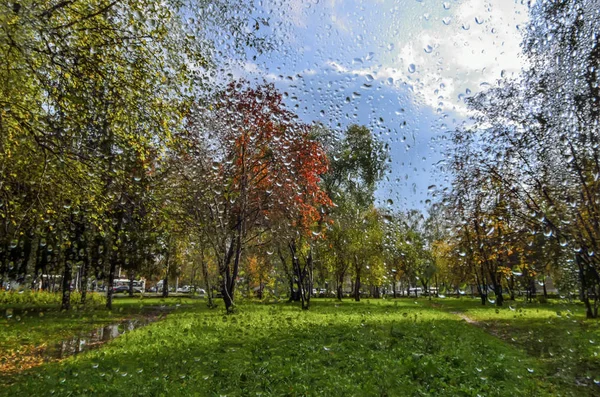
584,291
426,288
482,289
340,285
207,283
357,287
165,291
545,290
377,293
131,280
66,285
294,297
165,287
289,274
28,253
113,259
596,300
84,277
307,284
228,273
226,297
111,282
589,313
498,292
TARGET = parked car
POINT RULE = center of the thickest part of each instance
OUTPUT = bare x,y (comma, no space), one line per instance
125,289
416,291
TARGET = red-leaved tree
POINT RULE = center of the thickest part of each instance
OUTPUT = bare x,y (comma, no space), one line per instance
255,165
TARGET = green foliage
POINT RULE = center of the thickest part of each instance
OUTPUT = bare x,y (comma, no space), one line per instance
358,163
527,163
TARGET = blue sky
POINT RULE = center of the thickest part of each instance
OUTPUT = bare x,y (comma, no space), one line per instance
400,67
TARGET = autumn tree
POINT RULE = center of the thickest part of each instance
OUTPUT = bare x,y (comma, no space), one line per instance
262,168
90,91
536,136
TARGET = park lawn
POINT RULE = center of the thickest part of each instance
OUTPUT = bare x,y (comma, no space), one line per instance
556,333
26,330
370,348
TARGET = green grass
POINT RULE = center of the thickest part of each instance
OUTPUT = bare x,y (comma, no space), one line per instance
27,329
557,334
28,298
371,348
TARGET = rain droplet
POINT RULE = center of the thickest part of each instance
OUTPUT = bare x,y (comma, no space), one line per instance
517,271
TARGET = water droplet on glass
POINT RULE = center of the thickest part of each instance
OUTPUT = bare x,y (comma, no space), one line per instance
517,271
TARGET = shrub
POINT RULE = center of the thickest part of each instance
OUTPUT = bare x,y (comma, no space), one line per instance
47,298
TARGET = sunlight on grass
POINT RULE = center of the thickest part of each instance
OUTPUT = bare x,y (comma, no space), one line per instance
557,333
366,348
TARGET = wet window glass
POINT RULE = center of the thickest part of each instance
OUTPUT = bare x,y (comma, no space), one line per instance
299,197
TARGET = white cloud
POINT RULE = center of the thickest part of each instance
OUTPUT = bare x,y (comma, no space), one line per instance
439,58
441,62
481,42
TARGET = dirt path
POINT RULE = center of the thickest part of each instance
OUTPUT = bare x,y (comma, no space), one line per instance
467,318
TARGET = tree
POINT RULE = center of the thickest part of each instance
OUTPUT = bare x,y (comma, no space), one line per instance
264,171
358,162
101,88
537,137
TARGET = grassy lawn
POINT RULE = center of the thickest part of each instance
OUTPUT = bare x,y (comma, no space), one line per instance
26,331
556,334
371,348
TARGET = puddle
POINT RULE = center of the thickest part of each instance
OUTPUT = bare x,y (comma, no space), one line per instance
99,336
95,338
30,356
